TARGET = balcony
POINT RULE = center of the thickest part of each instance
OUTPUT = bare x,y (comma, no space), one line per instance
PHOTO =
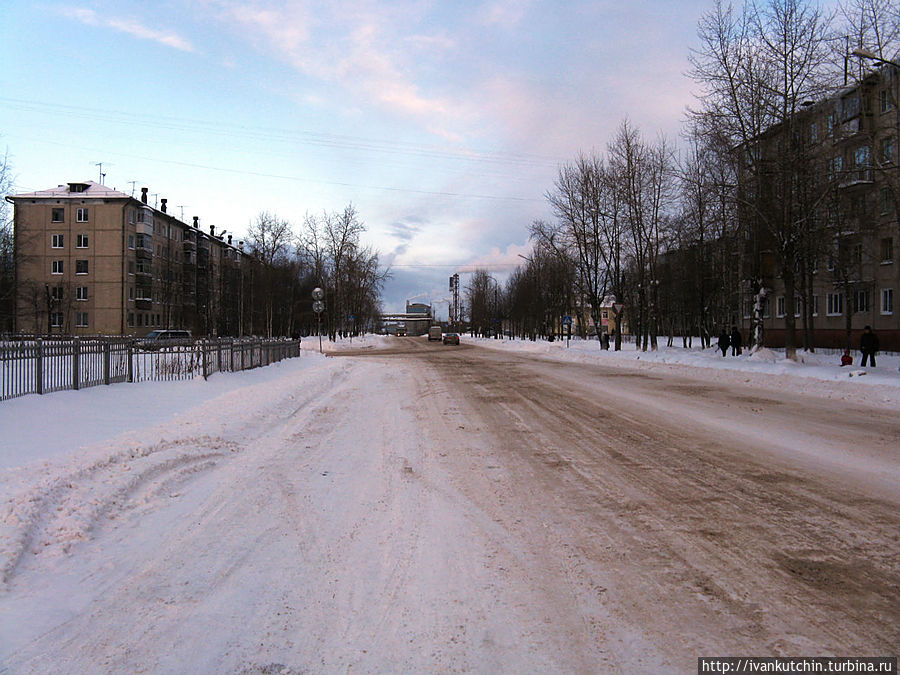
143,303
856,177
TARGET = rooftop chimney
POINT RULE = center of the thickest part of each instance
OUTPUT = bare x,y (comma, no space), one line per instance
144,195
197,222
212,230
162,205
229,240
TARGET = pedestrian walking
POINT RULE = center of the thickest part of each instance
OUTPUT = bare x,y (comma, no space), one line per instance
868,345
723,342
736,340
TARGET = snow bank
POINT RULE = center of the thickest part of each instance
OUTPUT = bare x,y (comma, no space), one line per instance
813,373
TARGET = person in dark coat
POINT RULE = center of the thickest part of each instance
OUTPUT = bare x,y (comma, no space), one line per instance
868,345
723,342
736,341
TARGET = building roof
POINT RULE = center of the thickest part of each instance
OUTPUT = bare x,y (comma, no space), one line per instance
88,188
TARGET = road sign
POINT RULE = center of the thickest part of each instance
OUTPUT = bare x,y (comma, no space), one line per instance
318,294
567,320
318,306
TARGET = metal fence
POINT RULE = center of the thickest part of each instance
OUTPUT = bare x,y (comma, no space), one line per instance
44,365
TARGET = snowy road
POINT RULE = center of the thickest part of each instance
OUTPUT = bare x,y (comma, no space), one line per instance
432,508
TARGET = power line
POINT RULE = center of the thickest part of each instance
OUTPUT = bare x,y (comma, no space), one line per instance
300,179
334,141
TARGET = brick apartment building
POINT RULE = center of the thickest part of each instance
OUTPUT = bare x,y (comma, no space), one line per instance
94,261
846,188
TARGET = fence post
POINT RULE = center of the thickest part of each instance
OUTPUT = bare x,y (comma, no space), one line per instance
76,363
39,367
203,358
130,365
106,357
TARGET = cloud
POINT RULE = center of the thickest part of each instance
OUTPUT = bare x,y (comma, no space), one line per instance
369,53
128,26
405,230
505,13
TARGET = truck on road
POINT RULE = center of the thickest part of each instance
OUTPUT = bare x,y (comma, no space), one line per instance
434,333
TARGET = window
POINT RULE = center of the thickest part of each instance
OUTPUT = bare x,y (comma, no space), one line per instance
81,293
131,241
56,319
130,293
886,200
813,133
887,300
861,163
81,267
779,306
887,150
56,267
857,254
798,306
57,215
835,304
815,307
887,250
884,101
140,320
131,267
81,319
81,241
81,215
850,107
56,293
131,319
57,240
861,301
835,167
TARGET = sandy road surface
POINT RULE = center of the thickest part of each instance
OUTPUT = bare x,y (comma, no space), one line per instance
443,509
706,519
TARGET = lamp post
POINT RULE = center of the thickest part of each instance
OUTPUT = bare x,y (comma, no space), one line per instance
872,56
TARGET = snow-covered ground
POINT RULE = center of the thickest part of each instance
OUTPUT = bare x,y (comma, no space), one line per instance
808,373
93,501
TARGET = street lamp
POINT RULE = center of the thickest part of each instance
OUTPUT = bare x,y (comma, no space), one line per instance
872,56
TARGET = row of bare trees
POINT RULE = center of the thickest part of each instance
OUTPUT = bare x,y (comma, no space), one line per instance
680,240
326,252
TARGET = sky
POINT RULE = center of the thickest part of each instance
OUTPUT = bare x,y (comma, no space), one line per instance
443,123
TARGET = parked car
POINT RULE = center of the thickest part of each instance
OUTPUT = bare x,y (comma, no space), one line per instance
451,338
157,339
401,332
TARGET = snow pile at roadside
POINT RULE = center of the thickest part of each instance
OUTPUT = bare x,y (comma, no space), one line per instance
368,341
808,373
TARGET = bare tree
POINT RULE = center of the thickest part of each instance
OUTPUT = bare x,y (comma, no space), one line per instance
758,68
271,241
584,223
7,255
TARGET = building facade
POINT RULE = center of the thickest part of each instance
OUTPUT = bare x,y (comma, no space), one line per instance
840,184
94,261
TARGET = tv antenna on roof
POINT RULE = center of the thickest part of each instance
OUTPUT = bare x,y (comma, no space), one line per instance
102,175
182,207
132,183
